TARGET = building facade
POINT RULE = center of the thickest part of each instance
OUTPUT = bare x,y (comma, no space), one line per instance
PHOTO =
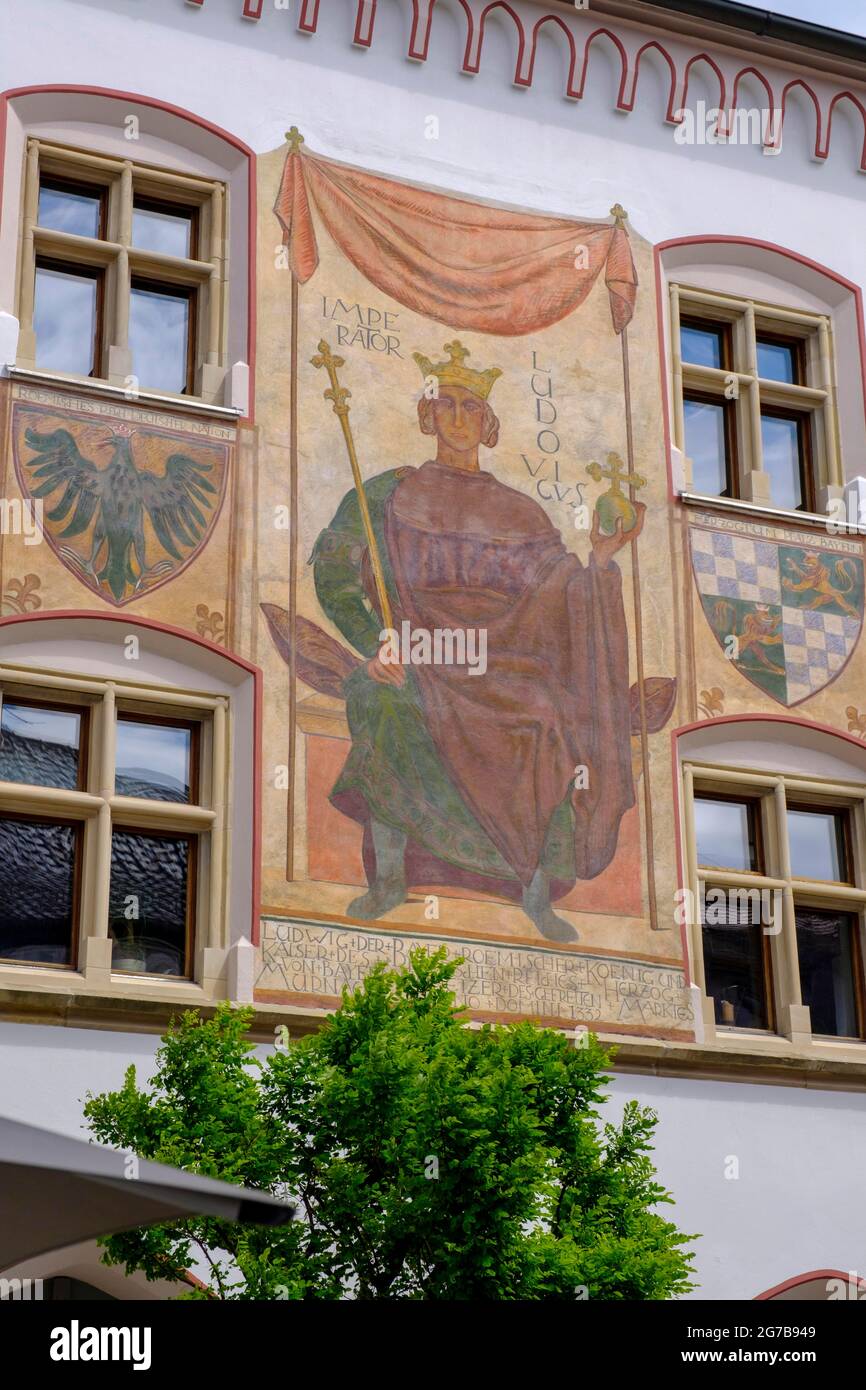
433,460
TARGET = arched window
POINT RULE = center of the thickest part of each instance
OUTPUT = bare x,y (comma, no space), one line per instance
774,837
766,383
128,811
126,215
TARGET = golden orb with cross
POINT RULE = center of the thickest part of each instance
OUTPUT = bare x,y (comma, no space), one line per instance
613,505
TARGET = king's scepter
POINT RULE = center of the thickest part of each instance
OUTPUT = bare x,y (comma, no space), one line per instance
340,395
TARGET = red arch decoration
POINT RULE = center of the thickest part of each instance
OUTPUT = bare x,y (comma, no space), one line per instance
558,20
571,26
799,82
473,65
845,96
703,58
670,114
808,1278
623,59
769,133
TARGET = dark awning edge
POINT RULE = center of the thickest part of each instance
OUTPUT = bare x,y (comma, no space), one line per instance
769,25
56,1191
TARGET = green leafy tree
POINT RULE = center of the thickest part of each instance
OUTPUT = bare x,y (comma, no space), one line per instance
428,1159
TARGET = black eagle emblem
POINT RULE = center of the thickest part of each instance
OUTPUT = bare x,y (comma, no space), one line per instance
118,495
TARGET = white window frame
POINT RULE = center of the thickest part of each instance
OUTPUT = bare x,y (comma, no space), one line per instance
100,809
120,260
773,790
748,317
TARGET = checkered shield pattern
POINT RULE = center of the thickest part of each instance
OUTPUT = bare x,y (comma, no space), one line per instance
736,566
795,611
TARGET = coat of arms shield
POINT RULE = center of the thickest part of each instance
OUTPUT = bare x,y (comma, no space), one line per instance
787,615
125,506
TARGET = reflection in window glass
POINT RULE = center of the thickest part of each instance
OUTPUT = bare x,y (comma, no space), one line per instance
39,746
817,845
37,890
780,441
148,899
72,210
153,760
701,347
734,970
64,318
160,229
825,951
159,326
706,446
777,362
724,834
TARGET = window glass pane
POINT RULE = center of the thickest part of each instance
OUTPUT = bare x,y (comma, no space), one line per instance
825,951
37,891
706,446
817,845
64,318
148,902
39,746
156,230
780,441
701,346
159,337
734,969
777,362
153,760
70,210
724,833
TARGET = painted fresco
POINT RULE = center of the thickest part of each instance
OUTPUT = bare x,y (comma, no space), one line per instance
124,508
133,510
472,735
787,616
777,618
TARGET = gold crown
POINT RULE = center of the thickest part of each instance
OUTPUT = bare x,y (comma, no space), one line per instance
453,372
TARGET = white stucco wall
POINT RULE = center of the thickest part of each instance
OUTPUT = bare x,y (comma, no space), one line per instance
793,1207
532,147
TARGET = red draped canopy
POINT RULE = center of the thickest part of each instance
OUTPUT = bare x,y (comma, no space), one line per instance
462,263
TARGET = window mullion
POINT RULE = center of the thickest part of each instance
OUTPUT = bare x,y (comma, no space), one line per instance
102,866
834,477
124,236
119,365
27,288
858,841
757,482
217,838
694,922
789,924
124,215
214,290
679,412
